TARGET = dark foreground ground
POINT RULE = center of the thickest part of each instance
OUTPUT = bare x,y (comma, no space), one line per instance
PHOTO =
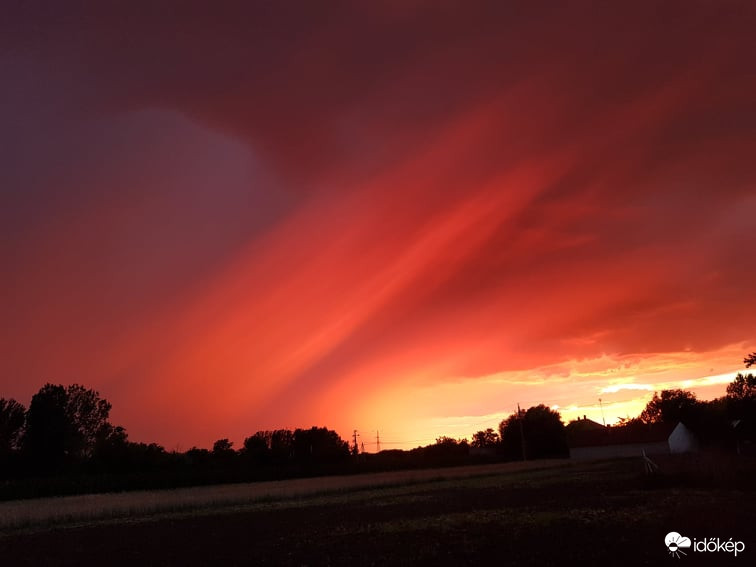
581,514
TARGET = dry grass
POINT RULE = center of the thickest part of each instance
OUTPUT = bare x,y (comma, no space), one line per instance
45,512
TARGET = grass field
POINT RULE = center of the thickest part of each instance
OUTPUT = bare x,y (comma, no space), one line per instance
521,513
44,513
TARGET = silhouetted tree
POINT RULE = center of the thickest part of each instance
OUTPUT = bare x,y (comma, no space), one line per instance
670,407
223,447
511,433
750,360
87,415
487,438
542,430
223,453
318,445
197,457
148,457
445,451
12,419
47,428
64,425
281,446
256,449
742,387
741,393
111,448
741,397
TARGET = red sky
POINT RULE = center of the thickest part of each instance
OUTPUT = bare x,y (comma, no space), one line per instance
405,217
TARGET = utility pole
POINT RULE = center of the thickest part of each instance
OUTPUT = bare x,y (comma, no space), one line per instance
377,442
522,433
602,412
355,448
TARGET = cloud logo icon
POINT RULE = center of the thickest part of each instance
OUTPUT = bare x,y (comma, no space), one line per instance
676,543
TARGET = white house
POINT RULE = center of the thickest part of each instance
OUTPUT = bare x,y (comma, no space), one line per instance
600,442
682,440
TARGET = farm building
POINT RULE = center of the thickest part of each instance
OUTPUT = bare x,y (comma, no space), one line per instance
590,440
682,440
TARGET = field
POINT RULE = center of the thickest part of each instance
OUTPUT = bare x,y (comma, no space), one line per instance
536,513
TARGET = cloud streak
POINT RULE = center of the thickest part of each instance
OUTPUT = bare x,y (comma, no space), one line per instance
255,217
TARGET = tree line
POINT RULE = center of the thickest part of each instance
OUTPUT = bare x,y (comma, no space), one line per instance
66,435
64,442
539,432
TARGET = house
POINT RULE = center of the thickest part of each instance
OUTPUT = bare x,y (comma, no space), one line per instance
590,440
682,440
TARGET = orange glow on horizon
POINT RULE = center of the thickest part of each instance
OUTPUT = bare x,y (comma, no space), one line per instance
409,236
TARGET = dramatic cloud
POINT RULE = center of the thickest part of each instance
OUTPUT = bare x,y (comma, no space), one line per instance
405,216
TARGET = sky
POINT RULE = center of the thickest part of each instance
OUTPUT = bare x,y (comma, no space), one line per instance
402,218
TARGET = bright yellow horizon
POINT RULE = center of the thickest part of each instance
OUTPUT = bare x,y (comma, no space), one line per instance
393,222
624,393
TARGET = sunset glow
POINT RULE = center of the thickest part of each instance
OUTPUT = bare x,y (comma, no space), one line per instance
393,217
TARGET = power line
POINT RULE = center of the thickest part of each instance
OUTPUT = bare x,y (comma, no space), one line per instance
493,419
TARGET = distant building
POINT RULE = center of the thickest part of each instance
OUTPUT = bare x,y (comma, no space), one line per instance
590,440
682,440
